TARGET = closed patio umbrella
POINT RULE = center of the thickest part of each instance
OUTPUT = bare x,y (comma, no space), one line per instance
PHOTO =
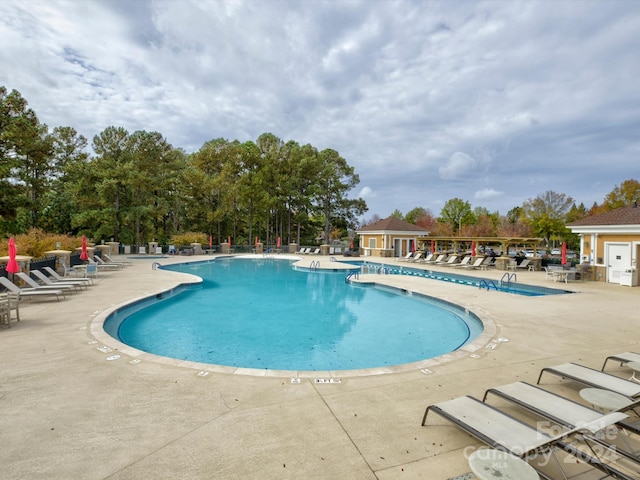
473,248
210,241
564,253
12,266
83,254
433,246
351,244
278,243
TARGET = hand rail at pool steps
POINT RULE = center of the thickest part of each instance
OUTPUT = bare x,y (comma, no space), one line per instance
509,277
350,275
487,284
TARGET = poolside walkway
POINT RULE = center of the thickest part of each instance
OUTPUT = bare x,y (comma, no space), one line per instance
79,406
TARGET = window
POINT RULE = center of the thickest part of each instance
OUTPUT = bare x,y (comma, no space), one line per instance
373,242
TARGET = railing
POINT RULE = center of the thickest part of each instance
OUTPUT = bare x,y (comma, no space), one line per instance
487,284
351,275
509,277
315,265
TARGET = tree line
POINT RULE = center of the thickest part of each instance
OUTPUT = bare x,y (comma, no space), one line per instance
136,187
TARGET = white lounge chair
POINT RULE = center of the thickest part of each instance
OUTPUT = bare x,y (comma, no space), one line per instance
427,259
623,358
439,258
109,259
416,256
524,264
54,275
406,257
451,260
504,432
594,378
476,264
29,292
462,263
36,286
48,282
102,264
562,411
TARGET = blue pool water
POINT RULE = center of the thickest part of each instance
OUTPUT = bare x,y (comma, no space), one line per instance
508,284
264,314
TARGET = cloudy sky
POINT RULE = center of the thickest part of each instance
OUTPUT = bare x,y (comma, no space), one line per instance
492,102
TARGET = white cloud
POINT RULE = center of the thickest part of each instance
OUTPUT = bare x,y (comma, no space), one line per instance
458,165
422,98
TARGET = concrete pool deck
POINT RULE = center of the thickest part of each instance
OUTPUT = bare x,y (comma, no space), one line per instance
72,408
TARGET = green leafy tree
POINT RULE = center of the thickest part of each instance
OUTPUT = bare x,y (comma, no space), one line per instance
397,214
622,195
414,215
456,213
547,215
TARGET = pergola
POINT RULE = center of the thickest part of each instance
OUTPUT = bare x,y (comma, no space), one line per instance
453,243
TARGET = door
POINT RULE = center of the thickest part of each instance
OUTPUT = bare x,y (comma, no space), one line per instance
618,260
397,247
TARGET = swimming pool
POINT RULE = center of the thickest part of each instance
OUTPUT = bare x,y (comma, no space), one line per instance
264,314
508,284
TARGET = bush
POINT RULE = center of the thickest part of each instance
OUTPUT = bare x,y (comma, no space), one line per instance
35,243
188,238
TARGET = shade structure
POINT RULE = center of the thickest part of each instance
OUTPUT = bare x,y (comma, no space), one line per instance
564,253
83,254
473,248
433,246
278,243
12,266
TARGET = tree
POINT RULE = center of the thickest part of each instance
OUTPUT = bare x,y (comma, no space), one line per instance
414,215
455,213
624,194
397,214
547,215
336,178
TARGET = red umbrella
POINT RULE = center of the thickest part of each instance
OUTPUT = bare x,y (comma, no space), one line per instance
210,241
256,241
564,253
433,246
83,254
473,248
351,244
412,246
12,266
229,240
278,243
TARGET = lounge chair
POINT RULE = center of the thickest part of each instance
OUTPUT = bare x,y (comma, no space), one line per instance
524,264
451,260
46,281
504,432
427,259
36,286
416,256
126,263
476,264
623,358
102,264
406,258
29,292
561,411
594,378
55,277
439,258
315,252
462,263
